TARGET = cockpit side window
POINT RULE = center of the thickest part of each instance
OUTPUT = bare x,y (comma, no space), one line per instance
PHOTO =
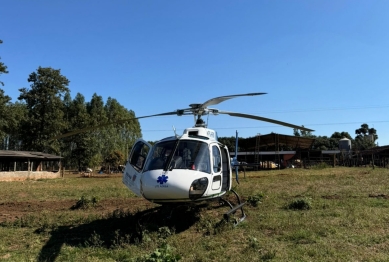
201,158
216,157
139,155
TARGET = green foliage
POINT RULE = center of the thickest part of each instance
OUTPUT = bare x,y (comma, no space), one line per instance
86,202
300,204
94,241
230,142
253,242
45,109
321,165
340,135
4,114
28,220
164,232
3,68
254,200
11,116
120,241
268,255
164,253
365,137
302,133
362,140
205,225
211,226
114,159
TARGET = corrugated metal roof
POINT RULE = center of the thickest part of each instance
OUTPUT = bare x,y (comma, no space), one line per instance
27,155
383,150
295,142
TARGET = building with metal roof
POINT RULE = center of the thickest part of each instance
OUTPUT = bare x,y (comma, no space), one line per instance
22,165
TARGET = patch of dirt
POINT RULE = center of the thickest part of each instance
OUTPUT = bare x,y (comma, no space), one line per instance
379,196
335,196
9,211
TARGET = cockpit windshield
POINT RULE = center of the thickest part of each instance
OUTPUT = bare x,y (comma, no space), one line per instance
180,154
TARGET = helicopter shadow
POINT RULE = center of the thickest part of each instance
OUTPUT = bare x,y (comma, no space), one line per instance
119,225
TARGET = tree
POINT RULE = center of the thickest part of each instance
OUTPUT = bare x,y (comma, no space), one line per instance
103,129
4,103
78,149
123,134
230,142
322,143
4,113
340,135
3,68
303,133
16,114
95,138
365,137
114,159
45,109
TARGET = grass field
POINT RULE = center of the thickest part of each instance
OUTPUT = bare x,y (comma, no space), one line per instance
328,214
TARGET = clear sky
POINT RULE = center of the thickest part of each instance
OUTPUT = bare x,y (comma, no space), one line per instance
324,64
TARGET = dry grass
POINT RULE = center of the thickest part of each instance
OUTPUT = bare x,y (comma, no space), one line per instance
348,220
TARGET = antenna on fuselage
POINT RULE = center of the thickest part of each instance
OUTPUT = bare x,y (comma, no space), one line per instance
175,133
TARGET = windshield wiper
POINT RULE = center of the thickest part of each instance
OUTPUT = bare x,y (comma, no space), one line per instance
169,160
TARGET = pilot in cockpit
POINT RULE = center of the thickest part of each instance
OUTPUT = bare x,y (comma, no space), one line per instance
186,155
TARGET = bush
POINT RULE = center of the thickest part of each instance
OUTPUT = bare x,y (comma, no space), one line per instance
300,204
321,165
85,202
255,199
163,253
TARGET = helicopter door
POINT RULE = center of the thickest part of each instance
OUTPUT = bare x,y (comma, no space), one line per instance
227,174
216,169
135,165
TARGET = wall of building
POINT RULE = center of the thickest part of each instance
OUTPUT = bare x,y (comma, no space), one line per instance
25,175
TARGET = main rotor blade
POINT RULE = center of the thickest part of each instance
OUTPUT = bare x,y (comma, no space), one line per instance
265,120
83,130
217,100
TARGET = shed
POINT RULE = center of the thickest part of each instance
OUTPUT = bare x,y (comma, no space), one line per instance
21,165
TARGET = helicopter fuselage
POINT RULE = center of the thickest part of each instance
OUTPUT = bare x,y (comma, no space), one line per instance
191,167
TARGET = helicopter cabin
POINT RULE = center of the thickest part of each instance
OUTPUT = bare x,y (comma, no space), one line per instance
191,167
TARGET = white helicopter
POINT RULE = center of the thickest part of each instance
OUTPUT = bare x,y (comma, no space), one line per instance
190,167
186,168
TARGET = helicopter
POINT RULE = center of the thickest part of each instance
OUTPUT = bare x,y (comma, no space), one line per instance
188,168
191,167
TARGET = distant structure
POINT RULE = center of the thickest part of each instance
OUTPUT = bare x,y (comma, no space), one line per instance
345,144
370,138
28,165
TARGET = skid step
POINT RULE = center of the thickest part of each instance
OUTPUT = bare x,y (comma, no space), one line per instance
233,210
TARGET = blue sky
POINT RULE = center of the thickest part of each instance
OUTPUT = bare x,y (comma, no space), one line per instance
324,64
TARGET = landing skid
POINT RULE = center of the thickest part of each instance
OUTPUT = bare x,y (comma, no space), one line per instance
227,215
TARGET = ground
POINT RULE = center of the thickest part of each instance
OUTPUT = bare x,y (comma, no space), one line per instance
12,211
9,211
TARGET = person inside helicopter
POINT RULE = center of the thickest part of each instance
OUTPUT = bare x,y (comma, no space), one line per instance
160,155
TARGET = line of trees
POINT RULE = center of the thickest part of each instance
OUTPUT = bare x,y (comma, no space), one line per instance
365,138
46,109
